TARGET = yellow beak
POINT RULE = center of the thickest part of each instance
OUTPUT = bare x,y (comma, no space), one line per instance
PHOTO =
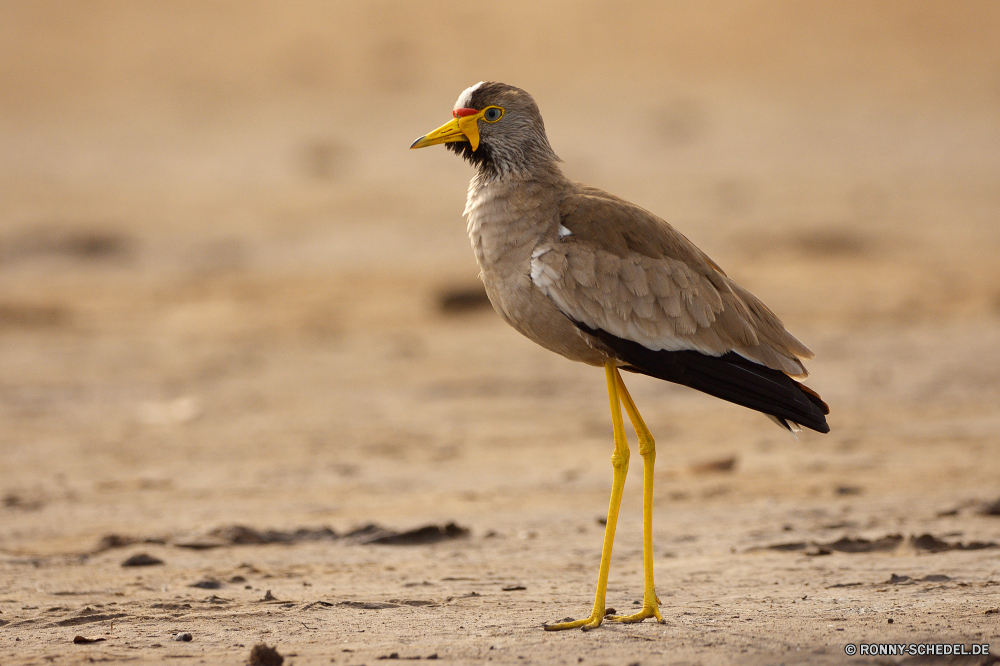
464,128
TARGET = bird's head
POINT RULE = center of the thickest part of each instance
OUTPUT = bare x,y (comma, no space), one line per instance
497,128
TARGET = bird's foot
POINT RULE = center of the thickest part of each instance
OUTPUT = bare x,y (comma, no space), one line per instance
650,608
586,624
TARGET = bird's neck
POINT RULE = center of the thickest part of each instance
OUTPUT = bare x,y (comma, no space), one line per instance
507,216
523,160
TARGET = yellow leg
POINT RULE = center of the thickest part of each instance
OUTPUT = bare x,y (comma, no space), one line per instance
619,462
647,449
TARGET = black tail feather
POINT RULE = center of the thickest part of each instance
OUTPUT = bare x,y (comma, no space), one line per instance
730,377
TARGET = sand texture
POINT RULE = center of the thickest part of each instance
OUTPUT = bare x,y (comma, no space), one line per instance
244,350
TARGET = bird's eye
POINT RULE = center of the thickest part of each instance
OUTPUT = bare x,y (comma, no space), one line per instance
493,114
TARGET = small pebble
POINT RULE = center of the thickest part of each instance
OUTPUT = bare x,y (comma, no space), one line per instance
186,637
264,655
141,560
83,640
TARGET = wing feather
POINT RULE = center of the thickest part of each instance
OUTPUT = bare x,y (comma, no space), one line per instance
622,270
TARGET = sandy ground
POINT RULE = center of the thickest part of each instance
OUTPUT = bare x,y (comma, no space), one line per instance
222,279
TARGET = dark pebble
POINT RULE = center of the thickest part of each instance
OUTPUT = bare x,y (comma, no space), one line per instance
141,560
263,655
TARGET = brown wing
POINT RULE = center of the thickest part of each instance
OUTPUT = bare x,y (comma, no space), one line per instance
620,269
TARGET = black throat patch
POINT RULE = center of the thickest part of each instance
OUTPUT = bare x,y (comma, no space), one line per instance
481,158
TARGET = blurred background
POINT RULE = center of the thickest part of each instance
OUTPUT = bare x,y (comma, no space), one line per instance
228,290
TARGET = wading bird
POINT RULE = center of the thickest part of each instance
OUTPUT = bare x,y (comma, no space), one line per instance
601,281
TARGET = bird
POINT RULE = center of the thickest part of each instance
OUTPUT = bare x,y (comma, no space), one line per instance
602,281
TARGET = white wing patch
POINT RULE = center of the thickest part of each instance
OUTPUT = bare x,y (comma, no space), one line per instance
563,231
463,99
543,275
